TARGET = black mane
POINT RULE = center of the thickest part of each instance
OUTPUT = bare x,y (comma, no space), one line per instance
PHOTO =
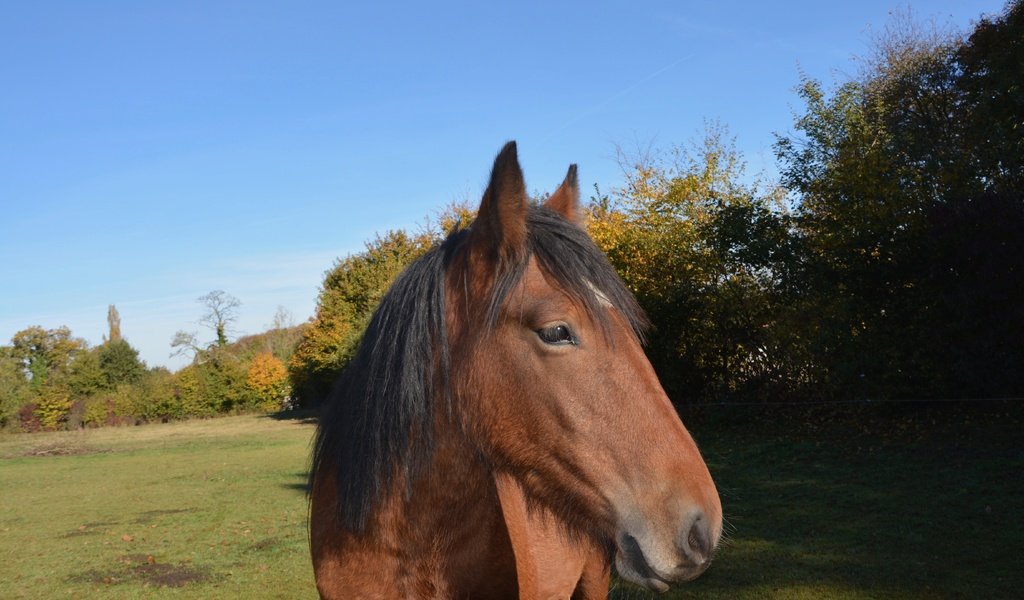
378,421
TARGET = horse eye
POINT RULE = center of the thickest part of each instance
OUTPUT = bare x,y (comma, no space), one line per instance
557,335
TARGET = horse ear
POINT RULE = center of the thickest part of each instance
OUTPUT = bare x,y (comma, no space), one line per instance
566,199
500,226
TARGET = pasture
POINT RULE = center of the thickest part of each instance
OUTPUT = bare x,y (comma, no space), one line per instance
889,504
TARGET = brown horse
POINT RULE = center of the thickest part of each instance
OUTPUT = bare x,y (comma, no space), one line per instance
500,433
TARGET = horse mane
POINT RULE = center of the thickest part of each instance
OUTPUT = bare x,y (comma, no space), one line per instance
377,423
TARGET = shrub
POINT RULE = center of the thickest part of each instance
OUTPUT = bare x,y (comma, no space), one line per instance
157,400
188,390
125,401
97,411
52,406
28,419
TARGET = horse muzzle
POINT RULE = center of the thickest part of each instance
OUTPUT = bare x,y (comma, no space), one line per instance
642,560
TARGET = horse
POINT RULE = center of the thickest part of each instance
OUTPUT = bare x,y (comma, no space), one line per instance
499,432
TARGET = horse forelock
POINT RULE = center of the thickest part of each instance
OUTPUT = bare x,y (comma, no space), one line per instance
378,422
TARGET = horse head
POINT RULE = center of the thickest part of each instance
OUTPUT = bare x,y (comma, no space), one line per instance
549,376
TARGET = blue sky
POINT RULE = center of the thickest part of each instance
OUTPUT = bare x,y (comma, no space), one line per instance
152,152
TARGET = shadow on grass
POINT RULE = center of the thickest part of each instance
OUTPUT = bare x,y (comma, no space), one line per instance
302,485
303,416
849,511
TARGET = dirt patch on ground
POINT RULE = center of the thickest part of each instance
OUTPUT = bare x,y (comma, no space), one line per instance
144,569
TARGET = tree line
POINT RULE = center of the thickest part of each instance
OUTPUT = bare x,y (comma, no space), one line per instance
887,261
50,379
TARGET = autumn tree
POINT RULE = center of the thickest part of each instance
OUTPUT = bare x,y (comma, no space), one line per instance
703,251
45,354
53,403
268,381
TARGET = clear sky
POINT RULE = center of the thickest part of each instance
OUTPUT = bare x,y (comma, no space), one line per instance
151,152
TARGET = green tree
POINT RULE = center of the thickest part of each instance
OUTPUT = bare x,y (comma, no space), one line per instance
87,376
14,386
349,295
120,363
900,202
191,394
156,399
992,84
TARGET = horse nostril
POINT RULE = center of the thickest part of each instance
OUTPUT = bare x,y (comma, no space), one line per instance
698,541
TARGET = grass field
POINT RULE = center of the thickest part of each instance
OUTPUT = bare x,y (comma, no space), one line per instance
202,509
896,507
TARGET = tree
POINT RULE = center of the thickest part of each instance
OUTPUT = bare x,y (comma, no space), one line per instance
53,403
120,363
906,179
221,312
190,394
157,400
14,386
45,354
992,62
348,297
351,291
268,381
113,324
283,335
702,253
87,377
185,343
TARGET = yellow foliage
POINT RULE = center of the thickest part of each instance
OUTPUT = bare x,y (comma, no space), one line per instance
53,406
268,381
97,410
189,389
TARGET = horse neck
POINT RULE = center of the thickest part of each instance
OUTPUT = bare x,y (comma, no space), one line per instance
446,531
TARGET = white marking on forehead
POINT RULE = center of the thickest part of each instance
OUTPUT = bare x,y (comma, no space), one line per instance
601,296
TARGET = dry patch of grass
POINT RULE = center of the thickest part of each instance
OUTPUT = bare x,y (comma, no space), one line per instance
142,569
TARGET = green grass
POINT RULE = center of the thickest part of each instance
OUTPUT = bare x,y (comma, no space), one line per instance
902,505
203,509
875,503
